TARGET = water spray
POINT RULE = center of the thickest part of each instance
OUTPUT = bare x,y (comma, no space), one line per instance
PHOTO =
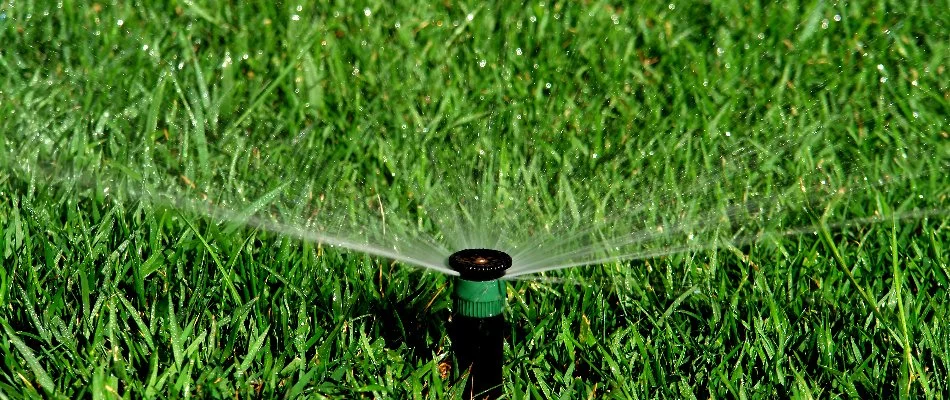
478,324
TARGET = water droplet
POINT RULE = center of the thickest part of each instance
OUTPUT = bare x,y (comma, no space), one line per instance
533,19
470,16
761,36
720,51
120,22
356,71
824,23
837,18
915,114
367,12
398,25
518,51
728,134
547,85
672,6
295,17
883,79
482,63
880,67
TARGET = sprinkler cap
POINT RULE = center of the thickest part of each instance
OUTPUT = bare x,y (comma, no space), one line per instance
479,299
480,264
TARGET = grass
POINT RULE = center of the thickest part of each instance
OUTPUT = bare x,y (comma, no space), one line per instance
836,113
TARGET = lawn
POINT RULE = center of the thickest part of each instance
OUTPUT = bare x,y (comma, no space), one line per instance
245,199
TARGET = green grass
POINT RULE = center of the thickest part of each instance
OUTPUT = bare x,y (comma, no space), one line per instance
829,119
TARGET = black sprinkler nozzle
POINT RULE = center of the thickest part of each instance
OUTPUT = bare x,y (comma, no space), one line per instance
480,265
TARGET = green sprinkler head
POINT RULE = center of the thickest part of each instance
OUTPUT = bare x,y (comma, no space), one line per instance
479,293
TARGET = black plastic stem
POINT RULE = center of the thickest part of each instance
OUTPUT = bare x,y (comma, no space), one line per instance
478,344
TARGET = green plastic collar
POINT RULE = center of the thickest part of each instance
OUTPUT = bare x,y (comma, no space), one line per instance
479,299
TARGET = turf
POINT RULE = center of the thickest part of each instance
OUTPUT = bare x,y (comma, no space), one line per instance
564,113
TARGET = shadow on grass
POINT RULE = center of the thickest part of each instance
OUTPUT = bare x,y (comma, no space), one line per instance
412,320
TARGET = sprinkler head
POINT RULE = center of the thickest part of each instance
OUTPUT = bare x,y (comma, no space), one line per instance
480,265
479,339
479,293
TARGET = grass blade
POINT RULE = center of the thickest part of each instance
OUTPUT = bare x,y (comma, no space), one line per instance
175,332
252,352
41,376
225,274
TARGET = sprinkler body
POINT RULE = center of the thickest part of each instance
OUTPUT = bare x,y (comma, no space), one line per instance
478,324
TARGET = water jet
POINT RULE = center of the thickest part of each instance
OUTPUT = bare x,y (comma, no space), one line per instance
477,323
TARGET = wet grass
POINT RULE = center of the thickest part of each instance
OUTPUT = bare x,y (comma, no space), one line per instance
105,293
